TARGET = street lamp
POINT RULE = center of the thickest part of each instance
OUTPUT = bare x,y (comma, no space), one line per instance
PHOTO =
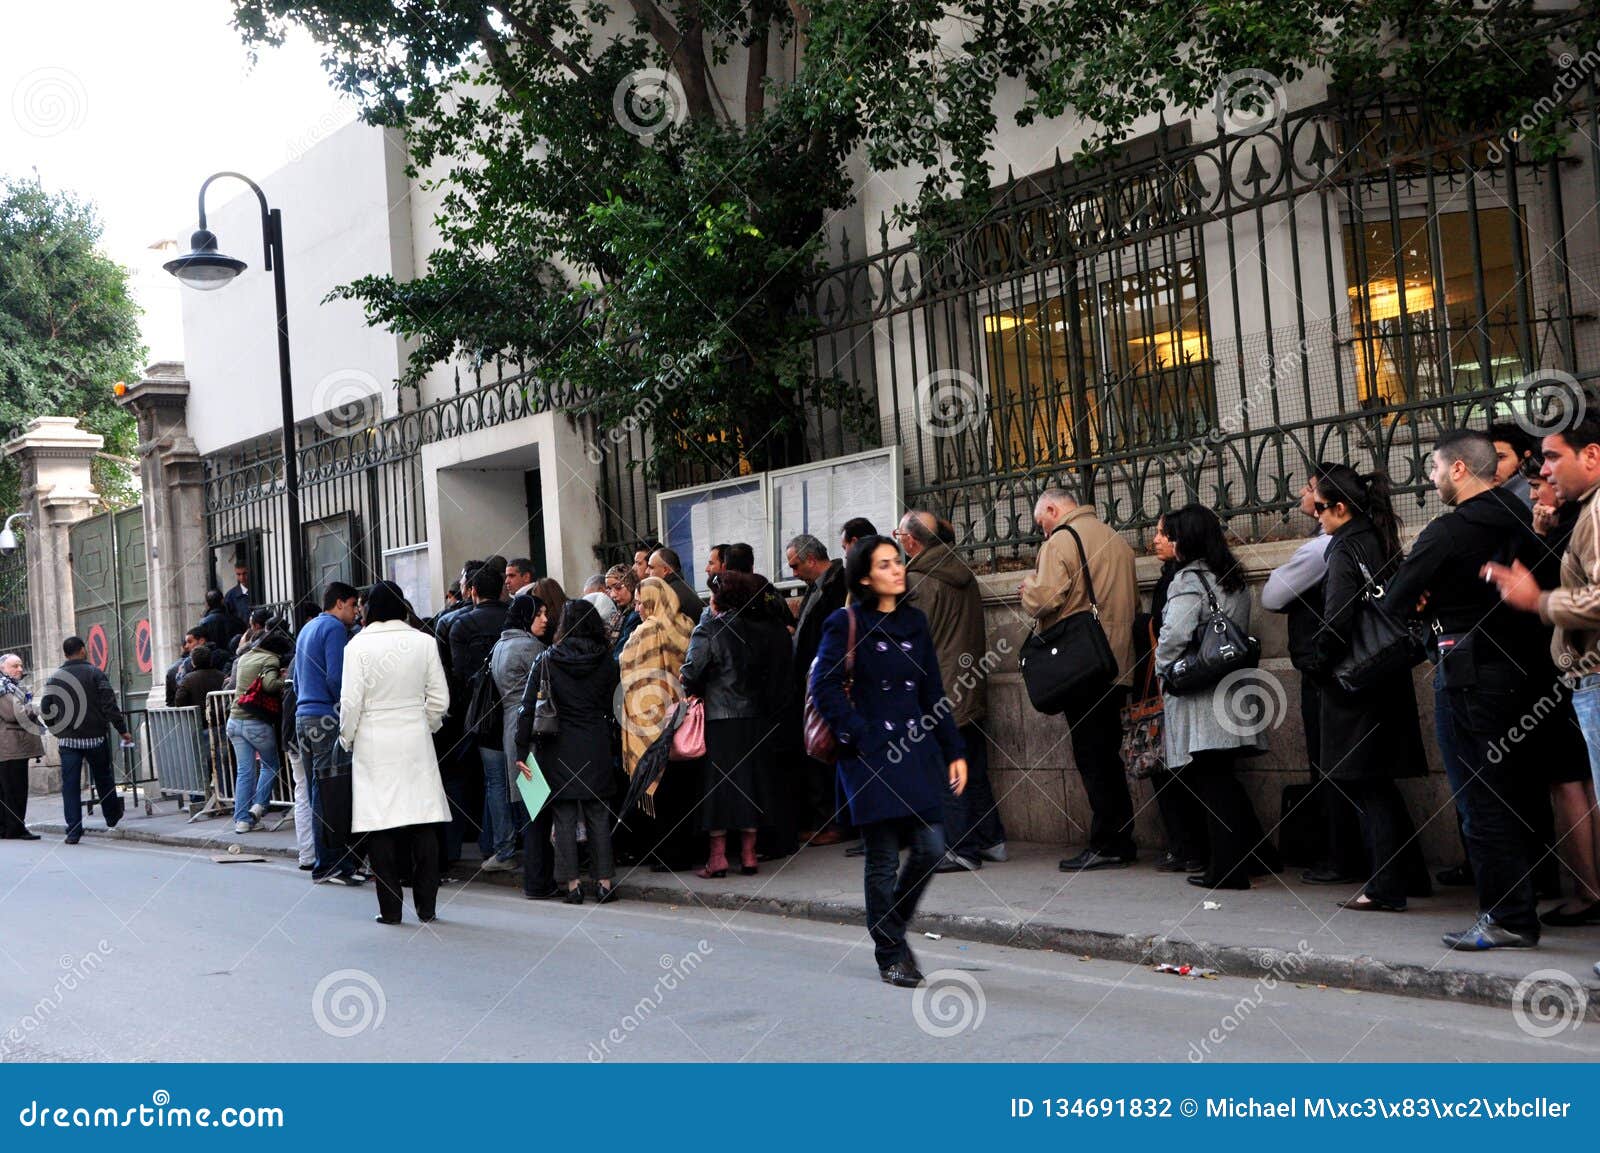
206,269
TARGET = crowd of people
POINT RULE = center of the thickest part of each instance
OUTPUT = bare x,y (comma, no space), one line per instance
683,735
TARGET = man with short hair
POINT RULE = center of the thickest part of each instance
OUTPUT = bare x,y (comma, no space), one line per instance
1512,446
79,705
1055,590
808,560
594,591
218,625
318,680
519,576
1487,656
946,589
472,639
238,599
641,559
854,529
717,560
184,665
665,565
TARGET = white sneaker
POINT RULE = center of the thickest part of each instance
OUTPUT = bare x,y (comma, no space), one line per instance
258,811
243,826
496,865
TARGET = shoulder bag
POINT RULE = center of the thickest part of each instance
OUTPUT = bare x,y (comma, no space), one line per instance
256,702
1218,647
546,721
689,734
484,708
1144,750
821,744
1380,645
1072,659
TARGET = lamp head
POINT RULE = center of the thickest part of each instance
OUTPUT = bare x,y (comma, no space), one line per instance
203,267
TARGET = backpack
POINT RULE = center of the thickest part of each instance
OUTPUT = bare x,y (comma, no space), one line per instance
485,711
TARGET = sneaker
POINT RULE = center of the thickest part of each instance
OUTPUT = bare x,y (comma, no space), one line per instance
308,866
499,865
258,811
243,826
346,879
954,862
1485,934
995,852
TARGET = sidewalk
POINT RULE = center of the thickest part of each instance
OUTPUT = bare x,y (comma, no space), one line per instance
1135,915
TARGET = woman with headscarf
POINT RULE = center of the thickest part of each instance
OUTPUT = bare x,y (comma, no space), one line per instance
738,664
393,696
527,629
651,660
576,760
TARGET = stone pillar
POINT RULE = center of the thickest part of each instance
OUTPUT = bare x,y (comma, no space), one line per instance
54,455
172,475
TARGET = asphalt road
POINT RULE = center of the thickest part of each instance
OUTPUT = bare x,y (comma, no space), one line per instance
119,952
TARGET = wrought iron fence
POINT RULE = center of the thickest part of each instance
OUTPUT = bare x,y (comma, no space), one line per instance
16,630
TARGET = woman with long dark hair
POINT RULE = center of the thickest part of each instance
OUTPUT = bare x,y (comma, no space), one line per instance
1370,738
1207,730
876,683
738,664
576,760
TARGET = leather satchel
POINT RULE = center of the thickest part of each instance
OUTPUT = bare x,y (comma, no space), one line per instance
1144,750
1380,645
821,744
546,720
1072,659
689,736
1218,647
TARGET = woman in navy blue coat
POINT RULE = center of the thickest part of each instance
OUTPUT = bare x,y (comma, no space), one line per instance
899,750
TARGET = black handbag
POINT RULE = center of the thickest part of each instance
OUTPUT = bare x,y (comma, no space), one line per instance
1380,646
546,722
1218,647
1072,659
484,707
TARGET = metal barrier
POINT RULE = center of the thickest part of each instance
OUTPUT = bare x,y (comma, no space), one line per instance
180,754
225,767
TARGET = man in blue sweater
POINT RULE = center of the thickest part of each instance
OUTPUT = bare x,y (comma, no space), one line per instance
318,672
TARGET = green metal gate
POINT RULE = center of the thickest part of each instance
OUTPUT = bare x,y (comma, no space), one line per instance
111,600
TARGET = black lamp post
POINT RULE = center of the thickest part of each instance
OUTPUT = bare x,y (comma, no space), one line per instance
205,268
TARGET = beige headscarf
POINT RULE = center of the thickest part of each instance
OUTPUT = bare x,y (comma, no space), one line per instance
649,666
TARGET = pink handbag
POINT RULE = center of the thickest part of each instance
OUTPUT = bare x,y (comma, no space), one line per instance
689,738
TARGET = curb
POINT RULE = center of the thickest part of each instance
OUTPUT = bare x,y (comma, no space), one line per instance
1362,972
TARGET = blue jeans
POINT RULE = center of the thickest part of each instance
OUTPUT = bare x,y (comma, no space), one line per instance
891,898
1586,702
501,831
105,788
1455,771
252,739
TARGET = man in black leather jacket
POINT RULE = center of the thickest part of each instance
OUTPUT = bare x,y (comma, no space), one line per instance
79,706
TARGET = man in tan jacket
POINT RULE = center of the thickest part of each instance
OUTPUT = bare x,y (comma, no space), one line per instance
1055,590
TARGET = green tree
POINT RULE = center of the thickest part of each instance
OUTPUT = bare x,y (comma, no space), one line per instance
69,330
609,209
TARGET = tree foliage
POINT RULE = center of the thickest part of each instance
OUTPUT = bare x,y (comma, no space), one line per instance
69,330
679,160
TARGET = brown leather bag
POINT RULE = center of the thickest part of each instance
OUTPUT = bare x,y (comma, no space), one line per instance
821,744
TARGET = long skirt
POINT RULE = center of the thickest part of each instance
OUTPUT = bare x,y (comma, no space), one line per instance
738,776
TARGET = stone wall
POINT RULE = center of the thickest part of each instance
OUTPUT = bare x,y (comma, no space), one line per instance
1030,757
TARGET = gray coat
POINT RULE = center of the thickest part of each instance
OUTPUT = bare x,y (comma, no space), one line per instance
509,664
1214,718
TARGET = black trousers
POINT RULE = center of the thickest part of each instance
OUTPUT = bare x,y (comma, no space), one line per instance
13,797
1183,817
1097,748
408,850
1499,790
336,851
1235,842
1394,858
597,818
1341,820
538,863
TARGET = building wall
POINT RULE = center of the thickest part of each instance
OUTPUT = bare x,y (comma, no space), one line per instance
344,216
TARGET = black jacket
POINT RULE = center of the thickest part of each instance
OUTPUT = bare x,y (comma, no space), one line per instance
689,602
473,636
1445,562
78,703
576,762
822,599
738,666
220,628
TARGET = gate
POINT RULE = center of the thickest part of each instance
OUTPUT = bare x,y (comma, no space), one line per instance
16,633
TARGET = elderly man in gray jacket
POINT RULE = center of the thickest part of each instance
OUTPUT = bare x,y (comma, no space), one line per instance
946,589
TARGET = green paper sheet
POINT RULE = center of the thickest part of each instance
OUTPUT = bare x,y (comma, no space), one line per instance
535,792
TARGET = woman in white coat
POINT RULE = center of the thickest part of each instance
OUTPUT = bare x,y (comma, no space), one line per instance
393,696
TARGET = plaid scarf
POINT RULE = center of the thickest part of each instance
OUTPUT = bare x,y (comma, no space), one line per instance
650,687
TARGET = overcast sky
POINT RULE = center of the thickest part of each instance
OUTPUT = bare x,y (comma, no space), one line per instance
133,104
